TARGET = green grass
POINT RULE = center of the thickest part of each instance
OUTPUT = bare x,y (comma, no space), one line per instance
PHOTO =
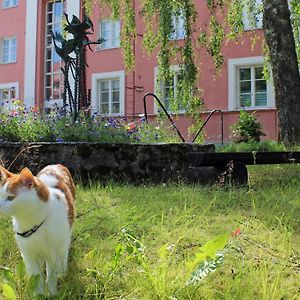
165,227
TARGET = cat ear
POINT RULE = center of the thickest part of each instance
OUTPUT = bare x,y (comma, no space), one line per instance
4,174
26,178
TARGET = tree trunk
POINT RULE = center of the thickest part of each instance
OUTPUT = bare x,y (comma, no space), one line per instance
280,40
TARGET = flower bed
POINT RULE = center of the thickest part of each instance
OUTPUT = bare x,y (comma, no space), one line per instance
29,125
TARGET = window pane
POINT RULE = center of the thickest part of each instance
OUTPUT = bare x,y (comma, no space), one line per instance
260,86
259,73
58,11
245,74
105,97
115,108
48,93
104,108
115,84
167,103
260,99
115,96
245,86
245,100
104,86
56,86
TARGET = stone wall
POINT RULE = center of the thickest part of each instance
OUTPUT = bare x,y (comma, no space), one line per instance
102,162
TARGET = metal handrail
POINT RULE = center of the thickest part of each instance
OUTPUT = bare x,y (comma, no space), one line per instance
207,119
165,111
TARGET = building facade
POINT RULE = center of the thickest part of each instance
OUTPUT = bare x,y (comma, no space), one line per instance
30,68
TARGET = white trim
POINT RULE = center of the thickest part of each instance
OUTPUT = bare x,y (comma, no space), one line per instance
30,52
233,64
109,75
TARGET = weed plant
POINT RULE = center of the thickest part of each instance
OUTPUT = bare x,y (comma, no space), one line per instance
146,242
263,146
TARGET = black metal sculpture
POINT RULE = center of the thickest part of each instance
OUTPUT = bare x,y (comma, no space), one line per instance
72,52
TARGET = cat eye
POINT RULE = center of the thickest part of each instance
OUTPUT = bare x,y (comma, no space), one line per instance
11,198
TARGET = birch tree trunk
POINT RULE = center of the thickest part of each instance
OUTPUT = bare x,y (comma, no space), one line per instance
280,40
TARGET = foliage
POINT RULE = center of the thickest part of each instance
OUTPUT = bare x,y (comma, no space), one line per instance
248,128
28,125
263,146
158,17
166,227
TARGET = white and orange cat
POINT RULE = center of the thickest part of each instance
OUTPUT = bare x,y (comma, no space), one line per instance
43,212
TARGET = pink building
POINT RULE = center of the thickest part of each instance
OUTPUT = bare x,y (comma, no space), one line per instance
30,68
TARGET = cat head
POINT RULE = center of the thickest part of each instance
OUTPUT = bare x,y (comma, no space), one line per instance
20,192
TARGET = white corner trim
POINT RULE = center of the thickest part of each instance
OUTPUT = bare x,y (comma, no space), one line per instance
30,52
232,80
108,75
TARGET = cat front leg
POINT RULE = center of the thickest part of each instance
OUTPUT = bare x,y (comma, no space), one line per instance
35,266
52,277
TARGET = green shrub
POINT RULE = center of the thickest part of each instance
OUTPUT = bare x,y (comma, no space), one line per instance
247,128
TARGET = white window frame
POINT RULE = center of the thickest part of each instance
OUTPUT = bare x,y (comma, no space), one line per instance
233,83
112,34
9,3
259,18
178,23
12,55
158,88
9,86
96,77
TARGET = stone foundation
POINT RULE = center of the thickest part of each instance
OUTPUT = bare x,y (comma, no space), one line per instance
103,162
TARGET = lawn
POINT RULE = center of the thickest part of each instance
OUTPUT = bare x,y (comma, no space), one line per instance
142,242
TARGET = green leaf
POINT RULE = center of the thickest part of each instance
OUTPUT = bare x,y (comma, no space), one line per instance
8,292
206,267
210,249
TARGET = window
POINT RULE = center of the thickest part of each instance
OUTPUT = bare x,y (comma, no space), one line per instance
8,93
252,87
53,74
110,31
253,15
167,90
178,23
108,93
8,50
247,87
109,96
9,3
